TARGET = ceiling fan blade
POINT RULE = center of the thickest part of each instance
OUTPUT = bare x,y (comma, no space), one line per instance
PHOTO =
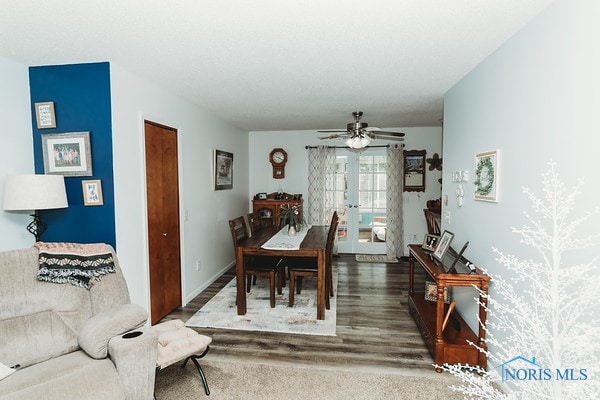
378,136
387,133
371,128
333,130
335,136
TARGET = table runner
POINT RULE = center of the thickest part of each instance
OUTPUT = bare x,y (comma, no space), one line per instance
282,241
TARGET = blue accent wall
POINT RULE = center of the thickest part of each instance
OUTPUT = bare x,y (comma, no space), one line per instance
81,96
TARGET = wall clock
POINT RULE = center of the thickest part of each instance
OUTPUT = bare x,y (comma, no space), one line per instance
278,159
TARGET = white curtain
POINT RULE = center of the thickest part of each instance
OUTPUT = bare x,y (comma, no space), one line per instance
394,235
321,185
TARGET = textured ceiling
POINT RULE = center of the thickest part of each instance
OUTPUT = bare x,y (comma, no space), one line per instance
277,64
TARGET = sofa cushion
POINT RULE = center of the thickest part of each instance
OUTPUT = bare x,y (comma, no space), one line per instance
74,376
38,320
98,330
5,371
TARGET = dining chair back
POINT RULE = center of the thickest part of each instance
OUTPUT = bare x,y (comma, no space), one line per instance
255,223
433,222
256,266
300,267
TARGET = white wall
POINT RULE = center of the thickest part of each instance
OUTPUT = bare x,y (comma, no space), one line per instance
205,236
17,155
296,170
534,99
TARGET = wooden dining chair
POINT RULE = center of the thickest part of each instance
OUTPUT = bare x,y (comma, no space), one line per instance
256,266
433,222
254,223
300,267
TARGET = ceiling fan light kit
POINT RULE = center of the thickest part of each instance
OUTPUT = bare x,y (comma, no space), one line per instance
359,134
358,142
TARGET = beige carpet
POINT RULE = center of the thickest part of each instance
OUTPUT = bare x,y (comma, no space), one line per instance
375,258
238,380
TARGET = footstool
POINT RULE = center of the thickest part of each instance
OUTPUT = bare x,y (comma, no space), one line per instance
177,342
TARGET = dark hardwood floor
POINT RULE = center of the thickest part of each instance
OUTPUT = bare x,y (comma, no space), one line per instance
374,327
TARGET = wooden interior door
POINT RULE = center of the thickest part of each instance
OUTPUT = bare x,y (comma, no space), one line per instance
163,219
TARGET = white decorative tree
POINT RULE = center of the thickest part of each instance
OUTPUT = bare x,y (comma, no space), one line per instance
548,309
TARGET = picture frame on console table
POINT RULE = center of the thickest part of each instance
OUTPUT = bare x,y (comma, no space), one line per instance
67,154
443,245
430,242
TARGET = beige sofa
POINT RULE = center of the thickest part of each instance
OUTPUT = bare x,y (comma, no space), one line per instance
67,340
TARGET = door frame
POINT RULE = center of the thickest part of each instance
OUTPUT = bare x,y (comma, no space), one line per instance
154,120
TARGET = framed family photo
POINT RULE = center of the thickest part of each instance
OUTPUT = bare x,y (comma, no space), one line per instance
223,170
67,154
92,192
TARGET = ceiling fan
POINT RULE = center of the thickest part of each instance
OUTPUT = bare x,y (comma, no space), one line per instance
359,134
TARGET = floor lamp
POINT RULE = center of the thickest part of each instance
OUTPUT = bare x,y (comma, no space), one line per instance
35,193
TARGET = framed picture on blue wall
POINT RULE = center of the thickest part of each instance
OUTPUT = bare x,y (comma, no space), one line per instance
67,154
44,115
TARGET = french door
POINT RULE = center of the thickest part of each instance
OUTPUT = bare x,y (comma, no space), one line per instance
360,197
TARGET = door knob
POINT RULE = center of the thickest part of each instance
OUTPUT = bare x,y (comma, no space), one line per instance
165,234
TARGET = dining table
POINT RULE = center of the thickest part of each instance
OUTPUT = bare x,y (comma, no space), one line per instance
272,241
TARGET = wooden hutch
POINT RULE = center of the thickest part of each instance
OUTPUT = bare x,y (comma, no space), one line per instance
269,208
449,345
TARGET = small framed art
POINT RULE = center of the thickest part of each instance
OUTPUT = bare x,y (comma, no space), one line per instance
223,170
92,192
67,154
486,176
443,245
44,115
431,292
430,242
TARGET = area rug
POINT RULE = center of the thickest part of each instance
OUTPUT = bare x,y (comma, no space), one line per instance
234,380
221,310
375,258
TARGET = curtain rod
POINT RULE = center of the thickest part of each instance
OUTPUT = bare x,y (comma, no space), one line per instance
346,147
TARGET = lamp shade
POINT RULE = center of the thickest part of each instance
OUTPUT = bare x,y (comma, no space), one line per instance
34,192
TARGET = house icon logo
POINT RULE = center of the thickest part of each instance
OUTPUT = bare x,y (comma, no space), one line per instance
520,368
520,360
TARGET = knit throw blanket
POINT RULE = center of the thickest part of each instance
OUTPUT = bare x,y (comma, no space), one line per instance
75,263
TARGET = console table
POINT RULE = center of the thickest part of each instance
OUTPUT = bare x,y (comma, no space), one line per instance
449,345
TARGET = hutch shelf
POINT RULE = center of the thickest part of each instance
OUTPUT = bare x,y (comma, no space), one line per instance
449,345
269,209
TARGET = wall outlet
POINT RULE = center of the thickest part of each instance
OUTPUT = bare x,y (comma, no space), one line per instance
414,236
198,265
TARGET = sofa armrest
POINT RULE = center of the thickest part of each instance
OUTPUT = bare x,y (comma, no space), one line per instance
98,330
134,356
